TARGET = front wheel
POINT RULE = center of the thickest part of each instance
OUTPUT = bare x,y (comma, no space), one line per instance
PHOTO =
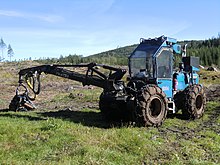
195,101
152,106
112,109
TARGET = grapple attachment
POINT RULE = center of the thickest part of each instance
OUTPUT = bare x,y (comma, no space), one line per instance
21,101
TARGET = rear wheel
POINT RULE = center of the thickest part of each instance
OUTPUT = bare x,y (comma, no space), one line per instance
195,101
152,106
112,109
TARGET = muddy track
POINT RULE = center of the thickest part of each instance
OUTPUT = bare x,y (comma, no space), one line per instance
212,122
187,133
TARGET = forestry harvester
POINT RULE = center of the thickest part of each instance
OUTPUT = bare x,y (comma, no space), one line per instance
153,90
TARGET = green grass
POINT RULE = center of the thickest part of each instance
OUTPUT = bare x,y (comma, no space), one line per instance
72,137
54,134
85,95
209,77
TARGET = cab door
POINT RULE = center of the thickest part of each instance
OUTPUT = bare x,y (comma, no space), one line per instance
164,65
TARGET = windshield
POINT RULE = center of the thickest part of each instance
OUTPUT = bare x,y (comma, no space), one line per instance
141,64
164,63
140,61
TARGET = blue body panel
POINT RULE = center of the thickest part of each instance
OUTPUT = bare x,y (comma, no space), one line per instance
177,48
181,81
195,78
184,80
195,69
166,86
172,40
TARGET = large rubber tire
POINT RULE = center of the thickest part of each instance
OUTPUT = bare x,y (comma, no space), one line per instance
152,106
195,101
111,109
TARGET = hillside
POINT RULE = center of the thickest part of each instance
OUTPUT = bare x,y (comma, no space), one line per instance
207,50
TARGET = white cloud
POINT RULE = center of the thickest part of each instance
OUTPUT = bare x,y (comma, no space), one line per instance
25,15
9,13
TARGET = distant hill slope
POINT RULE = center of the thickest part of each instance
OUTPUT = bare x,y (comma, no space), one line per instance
207,50
119,52
116,56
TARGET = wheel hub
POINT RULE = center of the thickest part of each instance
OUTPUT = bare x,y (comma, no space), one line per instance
199,102
155,107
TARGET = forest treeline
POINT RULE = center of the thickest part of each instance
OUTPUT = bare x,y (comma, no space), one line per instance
208,51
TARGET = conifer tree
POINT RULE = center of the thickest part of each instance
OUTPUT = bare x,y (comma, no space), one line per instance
10,52
3,47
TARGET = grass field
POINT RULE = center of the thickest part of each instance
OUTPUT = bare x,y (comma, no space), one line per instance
67,128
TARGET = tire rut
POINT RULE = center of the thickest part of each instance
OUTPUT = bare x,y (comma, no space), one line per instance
187,133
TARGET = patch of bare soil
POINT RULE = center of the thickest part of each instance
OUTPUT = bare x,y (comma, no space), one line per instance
213,92
186,133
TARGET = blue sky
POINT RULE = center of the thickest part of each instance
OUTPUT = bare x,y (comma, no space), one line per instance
50,28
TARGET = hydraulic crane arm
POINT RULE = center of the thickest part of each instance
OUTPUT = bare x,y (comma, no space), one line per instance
92,76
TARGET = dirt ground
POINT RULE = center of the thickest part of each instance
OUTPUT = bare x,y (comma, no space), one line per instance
56,90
